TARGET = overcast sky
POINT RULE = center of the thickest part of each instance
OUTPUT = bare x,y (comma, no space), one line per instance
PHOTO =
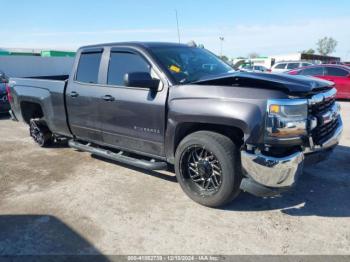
266,27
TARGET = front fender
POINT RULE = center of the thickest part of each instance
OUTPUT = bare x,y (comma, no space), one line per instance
246,115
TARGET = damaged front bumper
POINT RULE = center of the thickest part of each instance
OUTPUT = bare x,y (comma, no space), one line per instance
268,176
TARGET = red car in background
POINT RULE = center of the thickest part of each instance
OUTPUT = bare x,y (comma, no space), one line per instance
339,74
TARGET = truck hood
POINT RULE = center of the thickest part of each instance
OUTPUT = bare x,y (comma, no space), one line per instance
290,84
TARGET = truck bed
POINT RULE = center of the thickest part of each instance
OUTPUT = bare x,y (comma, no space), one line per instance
48,92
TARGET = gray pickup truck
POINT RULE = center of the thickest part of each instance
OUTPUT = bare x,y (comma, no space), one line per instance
159,105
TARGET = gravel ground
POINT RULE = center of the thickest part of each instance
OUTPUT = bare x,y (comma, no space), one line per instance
61,201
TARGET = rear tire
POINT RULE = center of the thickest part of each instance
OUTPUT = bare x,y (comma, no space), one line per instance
207,166
40,133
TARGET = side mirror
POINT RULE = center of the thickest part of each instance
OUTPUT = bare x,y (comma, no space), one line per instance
141,79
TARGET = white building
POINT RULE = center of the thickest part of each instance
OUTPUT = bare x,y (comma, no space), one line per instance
316,59
271,60
24,62
30,66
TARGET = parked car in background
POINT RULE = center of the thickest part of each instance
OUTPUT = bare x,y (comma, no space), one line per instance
339,74
254,68
338,63
4,104
282,67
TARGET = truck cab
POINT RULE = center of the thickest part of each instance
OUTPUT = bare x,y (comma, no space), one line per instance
104,108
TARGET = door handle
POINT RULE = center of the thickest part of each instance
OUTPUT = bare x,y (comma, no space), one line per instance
74,94
108,98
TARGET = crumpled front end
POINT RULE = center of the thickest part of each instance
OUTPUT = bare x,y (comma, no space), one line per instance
267,175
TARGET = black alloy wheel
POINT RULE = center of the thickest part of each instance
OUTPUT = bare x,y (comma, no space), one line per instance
203,169
207,166
40,133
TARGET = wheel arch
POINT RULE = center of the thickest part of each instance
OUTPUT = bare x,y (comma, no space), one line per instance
31,110
186,128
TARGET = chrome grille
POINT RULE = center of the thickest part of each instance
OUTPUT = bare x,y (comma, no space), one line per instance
324,108
322,133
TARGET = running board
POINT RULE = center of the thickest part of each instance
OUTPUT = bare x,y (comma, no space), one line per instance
119,157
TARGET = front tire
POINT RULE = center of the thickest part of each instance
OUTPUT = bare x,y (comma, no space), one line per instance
207,166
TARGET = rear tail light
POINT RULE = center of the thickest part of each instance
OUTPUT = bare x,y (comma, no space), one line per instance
9,96
269,70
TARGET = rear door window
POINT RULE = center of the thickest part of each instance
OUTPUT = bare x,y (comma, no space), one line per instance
292,66
122,63
88,68
280,66
314,71
335,71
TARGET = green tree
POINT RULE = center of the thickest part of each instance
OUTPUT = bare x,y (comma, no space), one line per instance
326,45
310,51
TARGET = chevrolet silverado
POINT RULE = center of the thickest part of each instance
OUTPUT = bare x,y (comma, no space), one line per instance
161,105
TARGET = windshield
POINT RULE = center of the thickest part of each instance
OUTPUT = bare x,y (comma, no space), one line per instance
189,64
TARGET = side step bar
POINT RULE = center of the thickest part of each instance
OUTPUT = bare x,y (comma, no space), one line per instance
119,157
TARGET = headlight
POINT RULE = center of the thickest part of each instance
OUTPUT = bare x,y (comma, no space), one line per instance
287,118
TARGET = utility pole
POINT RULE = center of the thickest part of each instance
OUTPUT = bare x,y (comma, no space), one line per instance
222,39
178,28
